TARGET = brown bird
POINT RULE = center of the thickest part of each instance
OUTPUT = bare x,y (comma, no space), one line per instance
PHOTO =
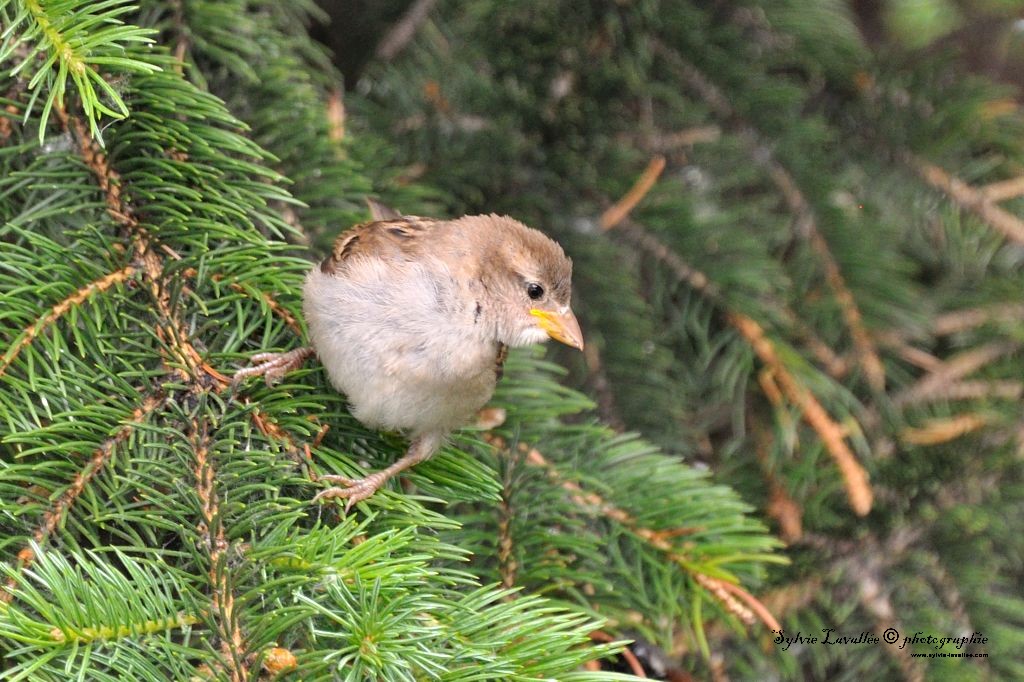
412,318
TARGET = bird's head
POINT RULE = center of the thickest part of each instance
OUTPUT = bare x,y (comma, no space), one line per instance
529,279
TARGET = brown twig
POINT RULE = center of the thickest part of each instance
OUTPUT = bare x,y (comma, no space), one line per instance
275,307
935,384
970,199
301,455
628,656
680,268
402,33
937,431
54,517
962,320
855,478
33,330
215,541
1003,190
659,539
781,506
336,116
508,567
618,211
756,608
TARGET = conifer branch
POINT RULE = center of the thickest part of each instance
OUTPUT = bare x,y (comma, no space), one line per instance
508,567
302,456
336,116
215,542
936,383
781,506
149,627
1004,189
169,329
59,309
273,304
628,656
54,517
969,199
591,501
937,431
962,320
618,211
732,595
798,205
402,33
659,539
855,478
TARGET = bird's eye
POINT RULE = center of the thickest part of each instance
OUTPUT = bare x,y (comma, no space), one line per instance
534,291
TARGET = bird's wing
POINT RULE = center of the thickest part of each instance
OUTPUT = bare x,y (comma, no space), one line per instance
397,239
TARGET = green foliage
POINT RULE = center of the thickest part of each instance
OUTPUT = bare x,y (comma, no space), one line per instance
799,192
156,524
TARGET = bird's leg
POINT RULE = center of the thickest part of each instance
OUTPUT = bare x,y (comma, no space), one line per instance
359,489
273,366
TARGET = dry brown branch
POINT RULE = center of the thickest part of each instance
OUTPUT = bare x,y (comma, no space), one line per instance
970,199
962,320
628,656
301,455
54,517
756,607
680,268
855,478
508,567
935,384
402,33
665,143
275,307
618,211
915,356
1006,189
336,116
937,431
1006,389
33,330
216,544
781,506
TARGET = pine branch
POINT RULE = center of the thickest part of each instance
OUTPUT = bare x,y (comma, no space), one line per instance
979,202
806,224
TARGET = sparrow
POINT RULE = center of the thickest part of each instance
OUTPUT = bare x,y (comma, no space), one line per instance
412,318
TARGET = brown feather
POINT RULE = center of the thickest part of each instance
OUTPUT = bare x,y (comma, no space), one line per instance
380,239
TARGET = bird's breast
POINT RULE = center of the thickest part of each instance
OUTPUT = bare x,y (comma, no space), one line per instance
394,342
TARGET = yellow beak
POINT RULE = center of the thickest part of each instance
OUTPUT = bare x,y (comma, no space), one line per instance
560,326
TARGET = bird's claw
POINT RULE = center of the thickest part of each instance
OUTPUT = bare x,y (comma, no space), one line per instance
354,490
272,366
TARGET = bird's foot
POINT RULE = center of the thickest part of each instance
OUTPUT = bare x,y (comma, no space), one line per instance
272,366
354,490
